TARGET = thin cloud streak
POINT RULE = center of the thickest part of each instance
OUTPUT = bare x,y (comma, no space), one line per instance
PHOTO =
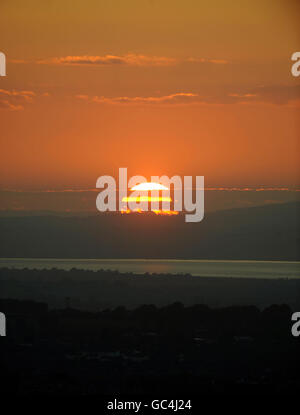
129,59
204,60
222,188
179,98
272,95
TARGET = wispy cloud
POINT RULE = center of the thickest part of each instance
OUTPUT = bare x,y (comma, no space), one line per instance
26,95
242,96
6,105
271,94
261,188
274,95
129,59
14,100
278,94
205,60
179,98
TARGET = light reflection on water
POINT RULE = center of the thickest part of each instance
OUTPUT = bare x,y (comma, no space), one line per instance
207,268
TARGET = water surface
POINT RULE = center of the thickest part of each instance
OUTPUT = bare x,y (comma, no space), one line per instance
207,268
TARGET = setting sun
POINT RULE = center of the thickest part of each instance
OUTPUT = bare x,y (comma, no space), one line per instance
149,186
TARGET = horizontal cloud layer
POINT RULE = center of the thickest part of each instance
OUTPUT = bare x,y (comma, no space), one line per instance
180,97
130,59
276,95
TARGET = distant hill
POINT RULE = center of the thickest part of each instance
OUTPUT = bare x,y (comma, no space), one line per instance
269,232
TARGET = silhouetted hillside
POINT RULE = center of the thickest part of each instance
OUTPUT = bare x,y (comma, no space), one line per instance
267,232
91,290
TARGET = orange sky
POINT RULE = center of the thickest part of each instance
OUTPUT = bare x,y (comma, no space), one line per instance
160,87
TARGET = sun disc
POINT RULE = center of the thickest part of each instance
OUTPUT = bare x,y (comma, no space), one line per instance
147,186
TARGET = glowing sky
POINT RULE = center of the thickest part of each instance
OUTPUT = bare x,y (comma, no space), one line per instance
158,86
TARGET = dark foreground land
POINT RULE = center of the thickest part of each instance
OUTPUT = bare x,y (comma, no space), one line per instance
104,333
170,351
98,290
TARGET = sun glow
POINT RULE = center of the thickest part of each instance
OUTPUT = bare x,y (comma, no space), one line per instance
146,199
165,212
156,212
149,186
